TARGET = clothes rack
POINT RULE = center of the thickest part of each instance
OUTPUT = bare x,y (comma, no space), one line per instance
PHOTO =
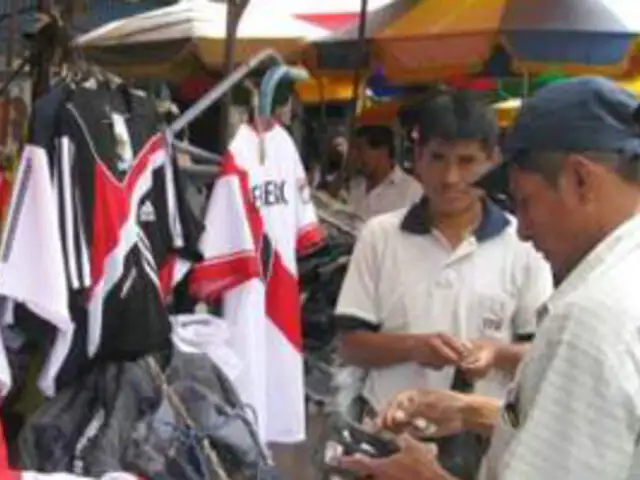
197,152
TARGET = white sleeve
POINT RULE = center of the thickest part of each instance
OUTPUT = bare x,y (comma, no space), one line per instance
359,293
535,288
228,244
32,260
310,234
583,423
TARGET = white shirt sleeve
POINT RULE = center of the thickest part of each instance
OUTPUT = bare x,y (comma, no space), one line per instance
230,253
33,275
583,421
359,293
534,290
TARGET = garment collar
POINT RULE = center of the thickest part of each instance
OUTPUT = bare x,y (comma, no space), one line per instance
493,223
392,178
618,244
395,175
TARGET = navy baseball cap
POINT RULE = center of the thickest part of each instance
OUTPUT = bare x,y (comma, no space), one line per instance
578,115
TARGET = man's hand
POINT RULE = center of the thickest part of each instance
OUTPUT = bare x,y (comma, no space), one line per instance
437,350
415,461
480,360
427,413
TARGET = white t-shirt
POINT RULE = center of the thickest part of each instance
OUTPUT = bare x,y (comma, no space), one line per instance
574,409
404,278
398,190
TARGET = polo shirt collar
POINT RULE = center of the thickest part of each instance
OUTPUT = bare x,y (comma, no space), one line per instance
494,220
395,175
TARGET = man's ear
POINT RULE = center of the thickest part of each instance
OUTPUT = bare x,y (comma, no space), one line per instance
581,177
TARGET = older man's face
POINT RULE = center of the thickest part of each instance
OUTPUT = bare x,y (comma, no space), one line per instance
548,216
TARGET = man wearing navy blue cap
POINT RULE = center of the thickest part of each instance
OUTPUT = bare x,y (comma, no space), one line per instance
572,165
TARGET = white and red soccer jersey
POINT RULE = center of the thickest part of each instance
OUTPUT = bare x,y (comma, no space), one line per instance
259,217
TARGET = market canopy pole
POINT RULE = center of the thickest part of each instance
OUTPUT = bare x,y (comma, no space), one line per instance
13,32
361,61
235,9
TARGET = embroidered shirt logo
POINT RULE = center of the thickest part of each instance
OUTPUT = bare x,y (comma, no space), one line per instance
492,324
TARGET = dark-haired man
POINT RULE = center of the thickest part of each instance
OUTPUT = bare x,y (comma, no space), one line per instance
445,283
382,185
573,169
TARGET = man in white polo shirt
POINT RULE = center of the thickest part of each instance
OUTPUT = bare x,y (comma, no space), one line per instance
381,186
573,167
447,275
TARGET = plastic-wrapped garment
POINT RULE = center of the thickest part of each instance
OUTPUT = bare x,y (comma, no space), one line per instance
8,474
48,439
336,215
140,425
163,441
321,276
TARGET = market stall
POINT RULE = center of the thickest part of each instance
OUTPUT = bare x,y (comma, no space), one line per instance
94,352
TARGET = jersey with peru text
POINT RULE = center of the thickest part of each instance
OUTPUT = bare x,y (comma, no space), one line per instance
263,200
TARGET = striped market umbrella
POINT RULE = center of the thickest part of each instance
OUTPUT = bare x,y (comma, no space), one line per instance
507,110
418,40
190,36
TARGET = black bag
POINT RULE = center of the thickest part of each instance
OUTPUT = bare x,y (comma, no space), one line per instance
461,454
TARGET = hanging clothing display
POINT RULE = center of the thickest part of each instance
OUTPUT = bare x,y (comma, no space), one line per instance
96,223
142,417
263,199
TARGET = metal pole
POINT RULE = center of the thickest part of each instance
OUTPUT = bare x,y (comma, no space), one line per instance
13,28
200,173
235,10
41,57
223,87
198,152
357,79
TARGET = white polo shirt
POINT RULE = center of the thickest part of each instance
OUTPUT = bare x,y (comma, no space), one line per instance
404,278
574,409
398,190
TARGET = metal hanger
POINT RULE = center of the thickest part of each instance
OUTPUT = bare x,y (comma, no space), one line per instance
197,152
208,99
223,87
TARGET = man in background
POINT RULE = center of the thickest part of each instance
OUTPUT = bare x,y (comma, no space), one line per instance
380,186
445,284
